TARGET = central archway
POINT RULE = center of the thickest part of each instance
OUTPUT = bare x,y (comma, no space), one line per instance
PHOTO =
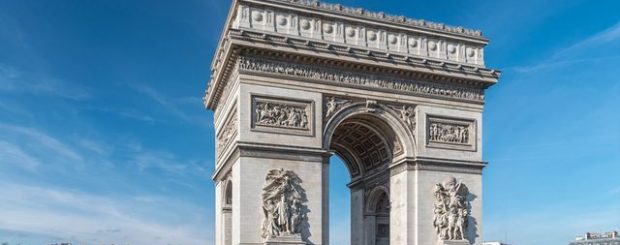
368,145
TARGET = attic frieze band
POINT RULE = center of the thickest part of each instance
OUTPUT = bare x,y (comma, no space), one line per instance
360,79
267,19
361,12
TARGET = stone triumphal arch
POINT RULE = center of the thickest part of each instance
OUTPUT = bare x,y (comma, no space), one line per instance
400,100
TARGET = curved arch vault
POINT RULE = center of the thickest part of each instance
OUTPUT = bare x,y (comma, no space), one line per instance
399,100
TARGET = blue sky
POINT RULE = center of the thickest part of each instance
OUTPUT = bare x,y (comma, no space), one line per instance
103,136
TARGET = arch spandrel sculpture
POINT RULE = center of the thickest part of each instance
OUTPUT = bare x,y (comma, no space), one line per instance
400,100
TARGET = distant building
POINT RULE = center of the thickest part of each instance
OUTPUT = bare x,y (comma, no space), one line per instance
607,238
494,243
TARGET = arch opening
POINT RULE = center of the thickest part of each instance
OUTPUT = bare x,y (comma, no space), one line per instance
367,146
227,213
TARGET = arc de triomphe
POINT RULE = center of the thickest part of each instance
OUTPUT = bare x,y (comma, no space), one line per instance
400,100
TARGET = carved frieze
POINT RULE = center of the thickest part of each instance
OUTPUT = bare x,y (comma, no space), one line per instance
359,79
451,212
284,209
228,133
282,115
451,133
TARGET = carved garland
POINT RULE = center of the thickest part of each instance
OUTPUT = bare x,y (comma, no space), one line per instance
354,78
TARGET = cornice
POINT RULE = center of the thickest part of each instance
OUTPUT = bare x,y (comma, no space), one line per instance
240,33
270,151
420,163
440,76
246,38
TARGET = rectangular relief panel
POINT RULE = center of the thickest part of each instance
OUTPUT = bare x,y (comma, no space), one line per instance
451,133
282,115
228,132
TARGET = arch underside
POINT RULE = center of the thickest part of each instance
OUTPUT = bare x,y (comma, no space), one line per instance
365,145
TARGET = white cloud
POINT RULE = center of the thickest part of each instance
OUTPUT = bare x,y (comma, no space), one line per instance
42,140
608,35
13,154
563,56
98,147
15,80
162,101
82,217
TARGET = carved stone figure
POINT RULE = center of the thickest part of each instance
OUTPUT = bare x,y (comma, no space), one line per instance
333,104
450,133
407,114
451,210
281,115
283,205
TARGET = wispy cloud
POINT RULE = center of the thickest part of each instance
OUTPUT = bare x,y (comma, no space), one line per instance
15,80
13,154
86,218
40,140
606,36
162,101
98,147
166,161
564,57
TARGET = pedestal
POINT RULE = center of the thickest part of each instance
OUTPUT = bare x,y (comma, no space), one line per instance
454,242
286,240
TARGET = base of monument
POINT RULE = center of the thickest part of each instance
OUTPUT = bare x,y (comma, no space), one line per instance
454,242
286,240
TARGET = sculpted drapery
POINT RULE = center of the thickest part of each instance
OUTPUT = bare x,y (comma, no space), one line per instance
283,204
451,210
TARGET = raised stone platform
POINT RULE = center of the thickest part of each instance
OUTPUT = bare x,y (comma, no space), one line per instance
454,242
286,240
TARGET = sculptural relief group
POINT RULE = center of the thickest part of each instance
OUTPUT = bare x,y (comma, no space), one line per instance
283,204
449,133
451,210
281,115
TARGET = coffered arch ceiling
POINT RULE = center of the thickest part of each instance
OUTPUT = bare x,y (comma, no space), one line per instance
365,143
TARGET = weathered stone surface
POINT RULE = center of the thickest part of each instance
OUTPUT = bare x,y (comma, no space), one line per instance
399,100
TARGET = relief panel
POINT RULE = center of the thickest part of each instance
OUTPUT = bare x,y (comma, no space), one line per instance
228,132
282,115
452,210
451,133
285,212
